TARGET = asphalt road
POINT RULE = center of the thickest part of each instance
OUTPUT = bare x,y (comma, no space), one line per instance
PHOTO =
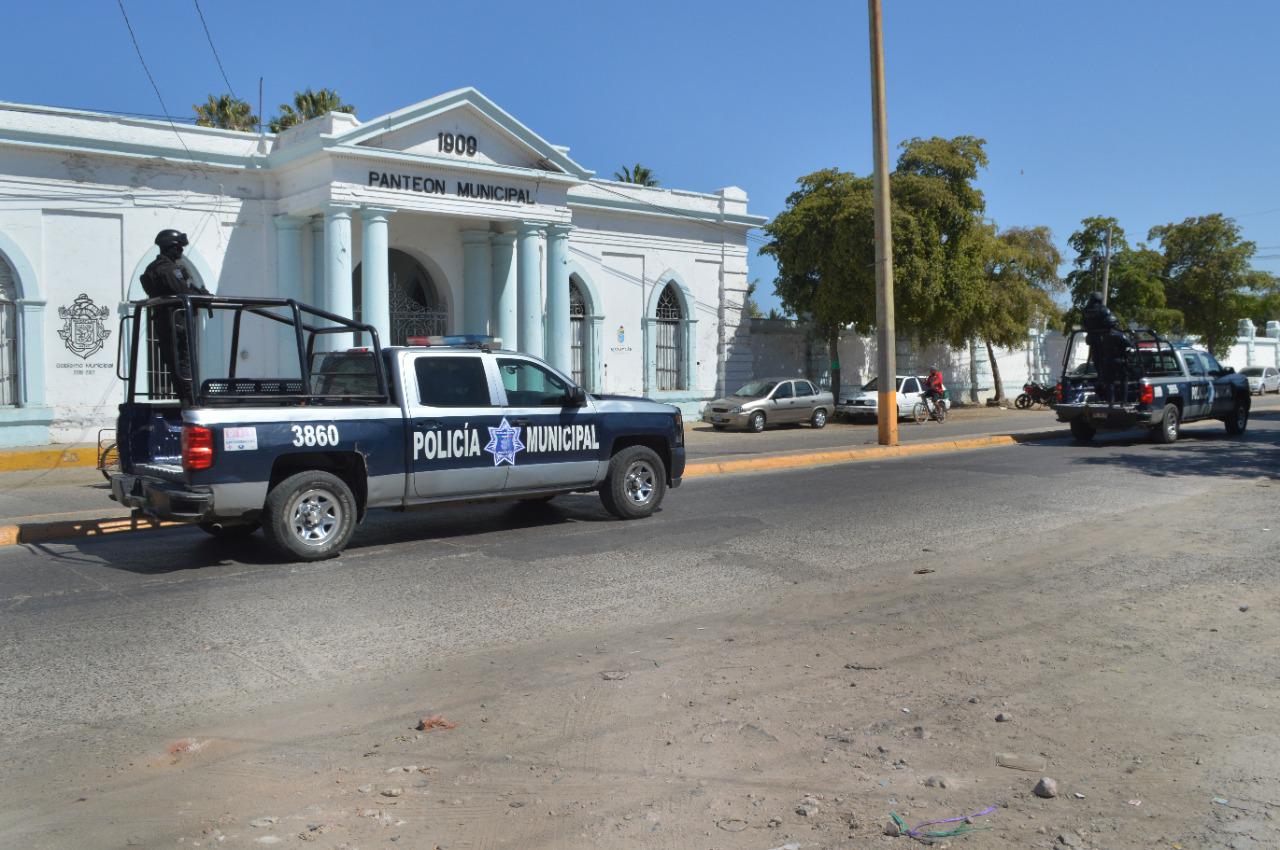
132,624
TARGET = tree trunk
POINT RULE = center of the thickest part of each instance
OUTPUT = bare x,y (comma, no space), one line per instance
995,372
833,350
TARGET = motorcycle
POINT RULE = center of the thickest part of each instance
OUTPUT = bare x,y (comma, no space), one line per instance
1033,394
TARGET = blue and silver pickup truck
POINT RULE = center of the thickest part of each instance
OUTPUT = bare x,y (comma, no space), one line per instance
306,449
1148,383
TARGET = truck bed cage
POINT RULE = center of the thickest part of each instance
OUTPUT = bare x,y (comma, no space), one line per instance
322,383
1142,358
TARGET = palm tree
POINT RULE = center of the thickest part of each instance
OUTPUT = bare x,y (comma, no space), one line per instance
637,174
226,112
307,105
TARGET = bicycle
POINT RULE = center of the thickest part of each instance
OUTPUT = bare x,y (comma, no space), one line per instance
927,407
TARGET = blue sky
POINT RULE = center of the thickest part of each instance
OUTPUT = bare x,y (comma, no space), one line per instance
1149,111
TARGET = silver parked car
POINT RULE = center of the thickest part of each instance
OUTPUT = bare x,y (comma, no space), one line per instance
772,401
1262,379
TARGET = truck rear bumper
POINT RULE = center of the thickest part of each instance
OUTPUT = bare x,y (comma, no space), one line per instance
1111,417
161,499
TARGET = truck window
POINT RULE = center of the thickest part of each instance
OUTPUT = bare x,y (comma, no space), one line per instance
1159,364
1210,363
1194,366
452,382
344,373
530,385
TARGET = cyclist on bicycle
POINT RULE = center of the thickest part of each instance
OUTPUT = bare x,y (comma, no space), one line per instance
933,388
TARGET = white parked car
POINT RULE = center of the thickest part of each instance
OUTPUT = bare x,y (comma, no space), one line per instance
1262,379
865,403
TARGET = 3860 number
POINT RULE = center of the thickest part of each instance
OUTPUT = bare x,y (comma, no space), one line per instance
315,435
457,143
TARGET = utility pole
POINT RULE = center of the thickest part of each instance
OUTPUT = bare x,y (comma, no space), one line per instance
886,355
1106,269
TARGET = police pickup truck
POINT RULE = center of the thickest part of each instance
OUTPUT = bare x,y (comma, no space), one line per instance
1150,383
305,449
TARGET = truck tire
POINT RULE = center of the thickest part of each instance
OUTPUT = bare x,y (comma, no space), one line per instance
1082,432
1170,424
635,483
1239,419
310,516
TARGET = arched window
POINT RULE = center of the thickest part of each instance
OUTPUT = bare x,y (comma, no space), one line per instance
670,342
578,333
8,336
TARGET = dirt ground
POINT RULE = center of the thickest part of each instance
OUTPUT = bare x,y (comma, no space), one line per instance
1144,690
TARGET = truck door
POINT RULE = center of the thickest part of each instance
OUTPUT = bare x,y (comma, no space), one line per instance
1224,401
453,413
1200,392
560,443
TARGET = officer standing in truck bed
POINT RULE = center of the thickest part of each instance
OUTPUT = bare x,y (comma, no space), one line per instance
164,278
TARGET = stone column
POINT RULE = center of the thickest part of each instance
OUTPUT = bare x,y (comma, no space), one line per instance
375,284
313,288
337,272
594,343
477,281
530,288
504,289
289,257
558,342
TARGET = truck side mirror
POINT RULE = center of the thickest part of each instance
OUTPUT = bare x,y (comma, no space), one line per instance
577,397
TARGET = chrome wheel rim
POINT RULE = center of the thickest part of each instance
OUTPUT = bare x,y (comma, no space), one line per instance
315,517
639,483
820,418
1171,426
757,422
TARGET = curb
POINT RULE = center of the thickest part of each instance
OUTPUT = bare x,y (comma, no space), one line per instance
46,532
809,459
31,460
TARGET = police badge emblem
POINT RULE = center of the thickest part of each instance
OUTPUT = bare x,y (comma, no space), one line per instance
82,330
504,442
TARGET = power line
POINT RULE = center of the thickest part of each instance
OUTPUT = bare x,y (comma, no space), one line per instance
216,57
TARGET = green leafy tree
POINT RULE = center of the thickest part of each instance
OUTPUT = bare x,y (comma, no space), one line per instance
750,305
1020,273
307,105
637,174
823,244
1207,273
1136,286
1263,304
227,113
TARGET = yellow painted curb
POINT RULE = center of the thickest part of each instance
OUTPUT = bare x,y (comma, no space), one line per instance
800,461
75,529
20,460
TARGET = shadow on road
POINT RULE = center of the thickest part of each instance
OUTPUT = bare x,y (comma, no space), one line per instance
186,548
1200,450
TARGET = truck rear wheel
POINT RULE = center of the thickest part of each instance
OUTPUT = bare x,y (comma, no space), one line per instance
635,484
1169,427
1239,419
1082,431
310,516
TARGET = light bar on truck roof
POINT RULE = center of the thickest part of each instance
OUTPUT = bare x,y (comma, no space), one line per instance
456,339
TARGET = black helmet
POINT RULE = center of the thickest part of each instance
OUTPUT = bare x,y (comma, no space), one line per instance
168,238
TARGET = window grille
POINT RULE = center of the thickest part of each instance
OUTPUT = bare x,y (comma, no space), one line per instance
670,351
8,337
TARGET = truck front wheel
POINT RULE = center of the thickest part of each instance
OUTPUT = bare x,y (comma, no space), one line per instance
1082,431
310,516
1239,418
635,484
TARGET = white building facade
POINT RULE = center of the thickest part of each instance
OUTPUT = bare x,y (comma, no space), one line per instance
449,216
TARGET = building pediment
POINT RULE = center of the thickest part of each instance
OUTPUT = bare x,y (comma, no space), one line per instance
466,127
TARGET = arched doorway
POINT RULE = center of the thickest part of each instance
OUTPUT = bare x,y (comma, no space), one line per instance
416,308
670,340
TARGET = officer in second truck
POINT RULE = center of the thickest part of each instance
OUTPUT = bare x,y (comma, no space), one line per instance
164,278
1108,345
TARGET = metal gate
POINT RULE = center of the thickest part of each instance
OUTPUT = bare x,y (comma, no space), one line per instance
578,334
670,357
415,308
